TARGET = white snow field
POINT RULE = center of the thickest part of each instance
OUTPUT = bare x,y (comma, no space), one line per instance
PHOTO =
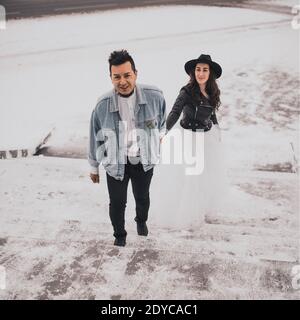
55,234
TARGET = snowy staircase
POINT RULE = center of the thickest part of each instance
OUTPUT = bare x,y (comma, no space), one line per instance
56,241
215,262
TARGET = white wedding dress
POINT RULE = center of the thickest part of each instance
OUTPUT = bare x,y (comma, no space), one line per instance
181,194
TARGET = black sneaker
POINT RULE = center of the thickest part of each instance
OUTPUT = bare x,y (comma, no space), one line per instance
120,242
142,229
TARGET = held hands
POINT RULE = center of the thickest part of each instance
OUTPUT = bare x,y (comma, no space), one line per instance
219,133
95,177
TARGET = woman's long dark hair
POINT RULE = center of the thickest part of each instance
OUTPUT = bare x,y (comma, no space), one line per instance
212,89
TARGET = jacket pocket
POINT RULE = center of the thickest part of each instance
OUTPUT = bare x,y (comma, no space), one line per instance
151,123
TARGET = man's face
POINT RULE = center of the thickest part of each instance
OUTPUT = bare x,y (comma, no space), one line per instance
123,78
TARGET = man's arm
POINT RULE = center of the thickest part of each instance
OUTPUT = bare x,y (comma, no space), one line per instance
94,143
162,119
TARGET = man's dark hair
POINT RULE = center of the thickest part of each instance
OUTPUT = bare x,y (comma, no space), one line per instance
117,58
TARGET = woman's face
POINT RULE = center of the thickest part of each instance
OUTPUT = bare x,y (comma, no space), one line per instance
202,73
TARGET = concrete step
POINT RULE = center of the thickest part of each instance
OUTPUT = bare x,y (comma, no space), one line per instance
249,243
164,267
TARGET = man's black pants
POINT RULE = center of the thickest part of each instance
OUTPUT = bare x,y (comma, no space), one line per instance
117,189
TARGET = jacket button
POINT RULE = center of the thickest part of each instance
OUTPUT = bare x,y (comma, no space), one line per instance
190,124
196,124
201,102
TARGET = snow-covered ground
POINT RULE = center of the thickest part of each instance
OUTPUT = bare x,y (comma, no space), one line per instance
53,70
56,240
54,221
288,3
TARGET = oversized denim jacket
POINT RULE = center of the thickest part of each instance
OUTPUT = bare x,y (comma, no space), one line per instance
106,142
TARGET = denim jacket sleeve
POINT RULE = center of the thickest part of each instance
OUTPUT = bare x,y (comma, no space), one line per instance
176,110
162,119
96,140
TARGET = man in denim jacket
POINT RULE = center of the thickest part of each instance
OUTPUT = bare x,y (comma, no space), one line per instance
126,127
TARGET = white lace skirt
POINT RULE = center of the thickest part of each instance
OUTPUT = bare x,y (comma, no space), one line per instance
191,179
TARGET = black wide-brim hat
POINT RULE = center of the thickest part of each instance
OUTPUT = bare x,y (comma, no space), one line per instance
203,58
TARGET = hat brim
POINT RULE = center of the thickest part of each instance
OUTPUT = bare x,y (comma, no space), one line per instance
190,65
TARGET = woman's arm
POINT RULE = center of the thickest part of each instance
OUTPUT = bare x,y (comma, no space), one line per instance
214,118
176,110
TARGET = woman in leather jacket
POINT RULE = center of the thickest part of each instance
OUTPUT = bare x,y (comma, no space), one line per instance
193,189
200,98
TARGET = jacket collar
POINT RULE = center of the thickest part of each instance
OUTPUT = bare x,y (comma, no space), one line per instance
140,99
